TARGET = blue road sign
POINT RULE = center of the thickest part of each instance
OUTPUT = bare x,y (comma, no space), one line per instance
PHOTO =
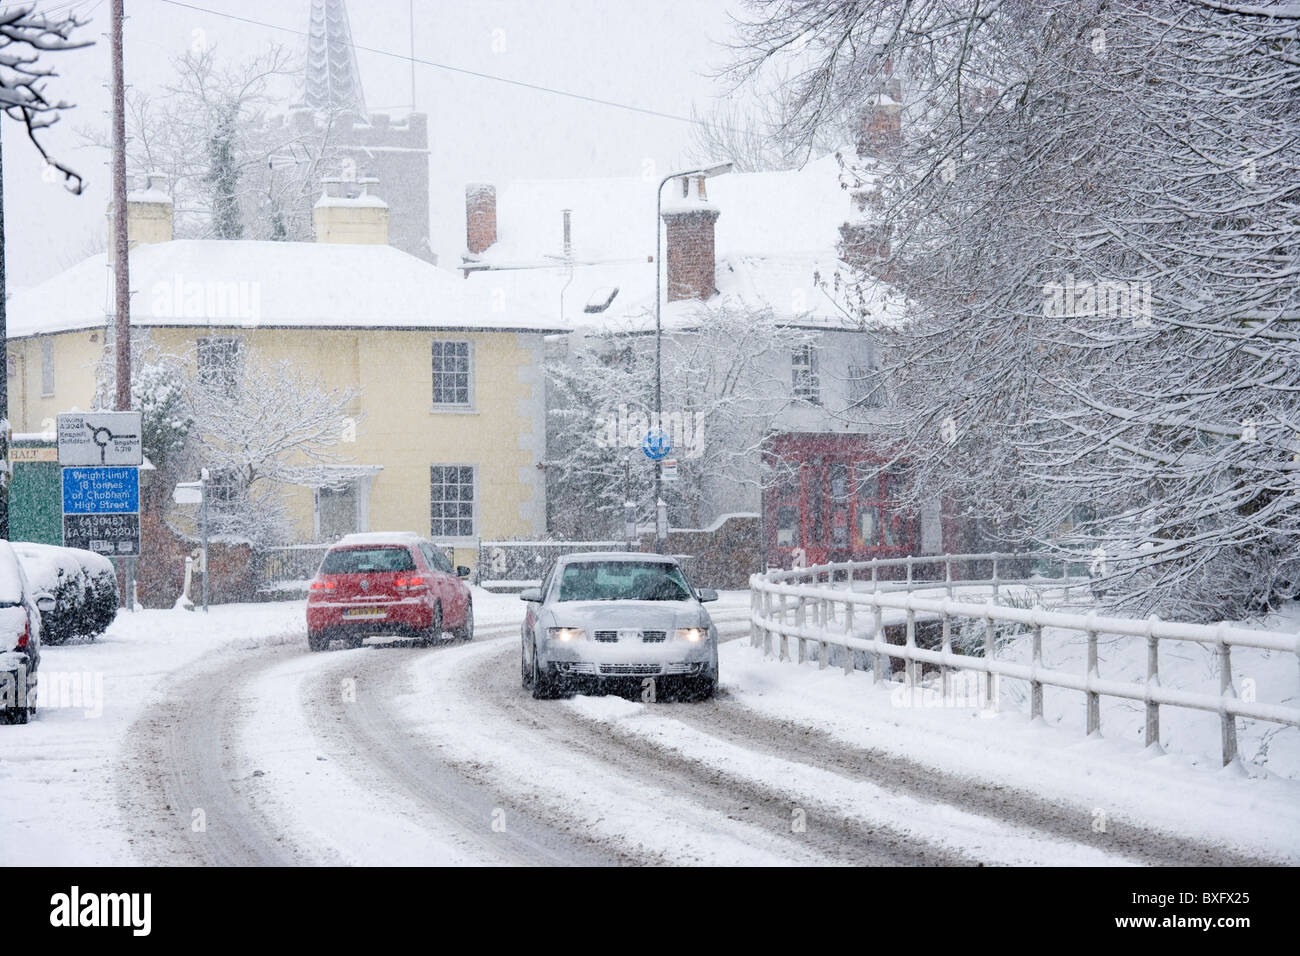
101,490
656,444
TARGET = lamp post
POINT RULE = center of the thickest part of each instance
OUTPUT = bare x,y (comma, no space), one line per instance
661,509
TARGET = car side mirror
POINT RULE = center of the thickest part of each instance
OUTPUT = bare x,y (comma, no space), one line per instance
532,595
462,571
45,603
706,594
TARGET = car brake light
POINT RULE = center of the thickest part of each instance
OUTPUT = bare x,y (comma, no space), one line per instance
26,635
324,585
413,583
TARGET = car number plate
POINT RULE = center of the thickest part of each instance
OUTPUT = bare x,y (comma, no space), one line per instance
367,612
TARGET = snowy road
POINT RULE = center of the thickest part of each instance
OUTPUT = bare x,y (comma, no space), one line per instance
268,754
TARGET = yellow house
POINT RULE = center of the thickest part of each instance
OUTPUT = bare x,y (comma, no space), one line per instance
450,431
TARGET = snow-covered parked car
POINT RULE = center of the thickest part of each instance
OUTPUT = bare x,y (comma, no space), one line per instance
387,583
607,616
102,596
82,584
20,638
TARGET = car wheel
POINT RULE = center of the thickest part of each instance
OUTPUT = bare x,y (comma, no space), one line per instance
543,683
434,634
524,673
466,630
318,641
702,688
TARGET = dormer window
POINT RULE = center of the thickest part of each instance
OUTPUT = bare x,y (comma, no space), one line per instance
804,378
601,300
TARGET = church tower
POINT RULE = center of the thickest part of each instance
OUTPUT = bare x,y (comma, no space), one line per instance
392,150
331,80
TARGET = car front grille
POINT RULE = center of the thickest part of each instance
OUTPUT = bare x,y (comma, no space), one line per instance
654,637
630,670
607,636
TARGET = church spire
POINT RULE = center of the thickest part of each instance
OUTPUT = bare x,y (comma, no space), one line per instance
332,83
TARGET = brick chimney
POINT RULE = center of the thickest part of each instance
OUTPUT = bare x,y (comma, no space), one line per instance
880,129
347,212
480,217
689,220
148,213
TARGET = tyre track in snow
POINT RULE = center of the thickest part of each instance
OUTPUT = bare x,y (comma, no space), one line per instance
180,759
374,741
494,682
791,740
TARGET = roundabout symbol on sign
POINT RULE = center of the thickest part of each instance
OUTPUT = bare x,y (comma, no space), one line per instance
656,444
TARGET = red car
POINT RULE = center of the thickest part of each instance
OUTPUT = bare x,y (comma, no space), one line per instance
387,583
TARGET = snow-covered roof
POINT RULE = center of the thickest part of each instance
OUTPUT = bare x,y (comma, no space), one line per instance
376,537
364,201
251,283
776,247
798,289
777,213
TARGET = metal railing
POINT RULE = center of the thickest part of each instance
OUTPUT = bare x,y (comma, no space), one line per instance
802,605
521,564
286,569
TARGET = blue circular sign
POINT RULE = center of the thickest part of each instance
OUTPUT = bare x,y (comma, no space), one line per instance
656,444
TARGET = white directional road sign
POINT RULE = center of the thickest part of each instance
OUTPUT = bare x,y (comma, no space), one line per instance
100,438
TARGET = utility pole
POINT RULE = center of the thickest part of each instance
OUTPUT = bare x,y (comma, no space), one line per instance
121,265
5,450
121,257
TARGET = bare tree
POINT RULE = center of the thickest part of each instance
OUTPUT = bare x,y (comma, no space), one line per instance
757,134
1093,208
265,428
725,380
234,171
24,36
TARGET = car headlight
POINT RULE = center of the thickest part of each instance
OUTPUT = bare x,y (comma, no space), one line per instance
565,633
693,634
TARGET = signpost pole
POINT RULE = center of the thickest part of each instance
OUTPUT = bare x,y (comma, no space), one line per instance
203,521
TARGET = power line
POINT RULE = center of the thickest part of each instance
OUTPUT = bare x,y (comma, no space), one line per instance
444,66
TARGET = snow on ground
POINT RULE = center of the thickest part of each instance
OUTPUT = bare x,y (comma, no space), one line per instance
985,839
57,773
1110,779
1269,676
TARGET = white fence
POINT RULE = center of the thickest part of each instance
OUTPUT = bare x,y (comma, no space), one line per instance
825,605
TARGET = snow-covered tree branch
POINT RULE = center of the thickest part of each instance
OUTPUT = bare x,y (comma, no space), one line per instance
1093,208
25,35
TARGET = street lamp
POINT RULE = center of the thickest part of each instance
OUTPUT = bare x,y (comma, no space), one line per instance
661,508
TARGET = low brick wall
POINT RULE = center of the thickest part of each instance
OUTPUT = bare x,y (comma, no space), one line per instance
723,557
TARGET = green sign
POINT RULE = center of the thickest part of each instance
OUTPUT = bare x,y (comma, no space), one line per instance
36,494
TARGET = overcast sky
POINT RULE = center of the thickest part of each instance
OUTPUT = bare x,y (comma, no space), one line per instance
656,54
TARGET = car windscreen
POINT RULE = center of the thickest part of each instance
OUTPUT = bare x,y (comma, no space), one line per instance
367,561
622,581
11,576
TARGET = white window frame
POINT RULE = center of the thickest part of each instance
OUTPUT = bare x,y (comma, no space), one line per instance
468,405
208,341
437,534
866,387
47,367
810,390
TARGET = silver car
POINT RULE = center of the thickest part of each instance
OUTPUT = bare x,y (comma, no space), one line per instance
605,616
